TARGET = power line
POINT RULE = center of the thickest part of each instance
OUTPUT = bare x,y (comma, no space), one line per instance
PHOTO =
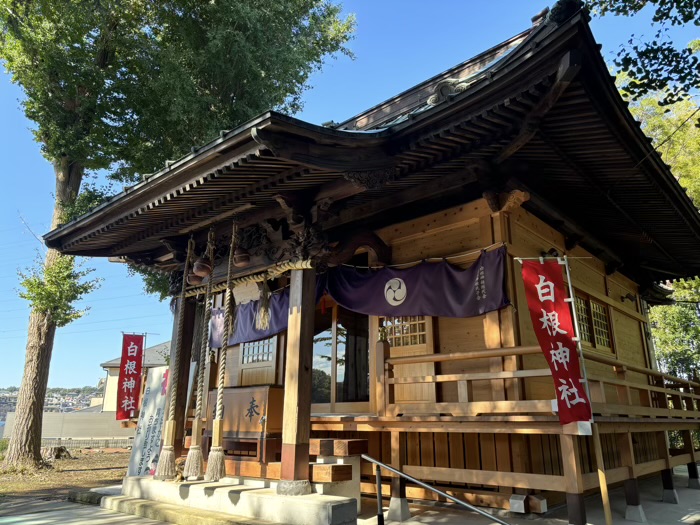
101,322
69,333
656,148
93,300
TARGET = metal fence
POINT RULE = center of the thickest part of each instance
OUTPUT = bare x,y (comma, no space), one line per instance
88,443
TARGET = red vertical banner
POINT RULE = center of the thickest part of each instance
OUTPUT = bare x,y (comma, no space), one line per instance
552,321
129,387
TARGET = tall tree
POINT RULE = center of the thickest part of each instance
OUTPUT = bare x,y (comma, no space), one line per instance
657,65
125,85
676,328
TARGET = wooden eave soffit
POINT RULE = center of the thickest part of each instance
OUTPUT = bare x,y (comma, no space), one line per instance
367,166
569,66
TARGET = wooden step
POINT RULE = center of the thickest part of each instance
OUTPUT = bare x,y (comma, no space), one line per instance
337,447
318,472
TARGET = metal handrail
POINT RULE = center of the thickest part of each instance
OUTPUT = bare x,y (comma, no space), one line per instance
380,509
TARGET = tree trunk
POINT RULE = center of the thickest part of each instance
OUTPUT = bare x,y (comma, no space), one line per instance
24,449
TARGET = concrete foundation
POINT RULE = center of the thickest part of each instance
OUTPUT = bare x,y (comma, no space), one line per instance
670,496
518,503
247,498
346,489
398,510
693,483
293,488
635,513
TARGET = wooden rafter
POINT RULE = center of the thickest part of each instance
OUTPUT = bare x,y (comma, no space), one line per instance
569,66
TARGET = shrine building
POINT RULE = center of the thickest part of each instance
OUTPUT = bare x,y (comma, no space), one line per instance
356,288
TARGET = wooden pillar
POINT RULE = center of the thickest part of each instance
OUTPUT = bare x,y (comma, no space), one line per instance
398,505
296,421
380,354
689,448
669,495
634,510
184,370
573,475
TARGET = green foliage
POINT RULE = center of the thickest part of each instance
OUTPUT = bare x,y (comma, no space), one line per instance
127,85
69,57
154,282
54,288
90,197
676,328
218,64
320,386
675,137
658,64
676,331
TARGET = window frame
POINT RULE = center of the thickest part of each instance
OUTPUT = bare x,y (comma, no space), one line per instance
587,301
334,406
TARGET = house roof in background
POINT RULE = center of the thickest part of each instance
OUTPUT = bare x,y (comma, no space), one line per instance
153,356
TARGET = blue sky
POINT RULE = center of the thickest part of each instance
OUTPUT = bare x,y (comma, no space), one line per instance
398,43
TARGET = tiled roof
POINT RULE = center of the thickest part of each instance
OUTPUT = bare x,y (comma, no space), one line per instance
153,356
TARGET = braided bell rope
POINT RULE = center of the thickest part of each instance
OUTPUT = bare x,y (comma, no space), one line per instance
175,369
204,346
228,322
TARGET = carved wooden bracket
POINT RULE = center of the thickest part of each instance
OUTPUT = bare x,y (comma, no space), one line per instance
572,241
177,246
370,240
505,201
297,207
371,179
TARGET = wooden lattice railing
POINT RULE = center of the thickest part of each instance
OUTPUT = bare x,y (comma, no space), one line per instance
661,395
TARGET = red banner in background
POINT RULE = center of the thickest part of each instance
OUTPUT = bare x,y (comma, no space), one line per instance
129,387
551,319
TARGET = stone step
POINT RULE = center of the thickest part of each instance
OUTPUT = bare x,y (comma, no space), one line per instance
257,499
177,514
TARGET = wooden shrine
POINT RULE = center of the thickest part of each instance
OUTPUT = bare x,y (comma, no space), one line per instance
527,146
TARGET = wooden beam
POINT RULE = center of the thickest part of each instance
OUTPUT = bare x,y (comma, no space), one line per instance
324,156
569,66
485,477
400,198
317,472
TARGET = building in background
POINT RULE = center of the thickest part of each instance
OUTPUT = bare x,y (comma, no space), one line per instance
81,420
153,356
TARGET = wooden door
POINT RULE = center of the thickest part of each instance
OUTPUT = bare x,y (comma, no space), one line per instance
409,336
257,362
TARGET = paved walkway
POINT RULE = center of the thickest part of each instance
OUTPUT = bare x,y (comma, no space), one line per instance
687,512
30,511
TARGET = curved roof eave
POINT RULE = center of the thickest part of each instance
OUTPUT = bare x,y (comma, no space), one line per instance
237,137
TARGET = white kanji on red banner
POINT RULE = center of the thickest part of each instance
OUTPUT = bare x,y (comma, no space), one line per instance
129,390
554,328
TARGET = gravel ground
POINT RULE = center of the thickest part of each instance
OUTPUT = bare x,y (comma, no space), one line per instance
86,469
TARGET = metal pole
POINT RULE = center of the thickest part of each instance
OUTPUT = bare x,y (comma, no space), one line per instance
572,301
380,508
433,489
602,478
